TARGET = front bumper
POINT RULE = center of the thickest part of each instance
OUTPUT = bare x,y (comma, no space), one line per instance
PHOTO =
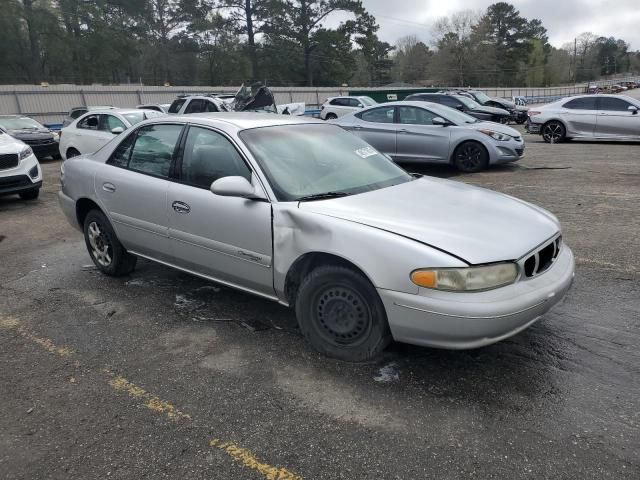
46,150
471,320
27,175
503,152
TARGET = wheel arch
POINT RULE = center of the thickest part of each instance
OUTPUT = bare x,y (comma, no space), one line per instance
454,148
83,207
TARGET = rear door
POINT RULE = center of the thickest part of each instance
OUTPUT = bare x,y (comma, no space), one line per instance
579,116
615,120
133,184
228,238
377,127
417,137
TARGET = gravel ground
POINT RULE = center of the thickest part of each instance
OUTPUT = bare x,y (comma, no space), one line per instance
163,375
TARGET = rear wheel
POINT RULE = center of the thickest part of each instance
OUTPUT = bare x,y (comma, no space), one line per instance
553,132
72,152
341,314
470,157
104,248
30,194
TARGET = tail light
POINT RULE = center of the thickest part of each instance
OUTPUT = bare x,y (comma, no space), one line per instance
531,113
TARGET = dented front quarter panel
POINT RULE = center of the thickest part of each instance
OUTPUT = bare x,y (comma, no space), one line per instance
385,258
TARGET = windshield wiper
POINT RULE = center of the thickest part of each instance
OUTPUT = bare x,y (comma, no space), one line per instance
322,196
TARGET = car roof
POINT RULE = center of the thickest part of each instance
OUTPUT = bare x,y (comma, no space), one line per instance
121,111
243,120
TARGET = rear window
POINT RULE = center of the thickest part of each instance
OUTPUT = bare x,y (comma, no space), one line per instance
177,105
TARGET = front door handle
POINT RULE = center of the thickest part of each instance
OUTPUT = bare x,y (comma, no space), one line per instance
357,127
402,130
109,187
181,207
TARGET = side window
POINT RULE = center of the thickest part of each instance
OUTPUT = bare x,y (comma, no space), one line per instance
120,156
415,116
586,103
340,102
209,156
90,122
378,115
195,106
211,107
354,102
176,105
153,149
613,104
109,122
449,101
76,113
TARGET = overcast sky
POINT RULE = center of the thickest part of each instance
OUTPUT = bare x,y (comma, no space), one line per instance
564,19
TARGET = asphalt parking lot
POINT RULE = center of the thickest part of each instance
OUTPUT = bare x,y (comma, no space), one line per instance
163,375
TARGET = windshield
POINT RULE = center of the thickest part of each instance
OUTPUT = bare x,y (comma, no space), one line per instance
368,101
454,116
19,123
472,104
482,97
137,117
310,159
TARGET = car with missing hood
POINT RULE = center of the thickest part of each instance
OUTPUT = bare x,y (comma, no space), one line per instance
20,172
518,112
429,132
464,104
301,212
42,141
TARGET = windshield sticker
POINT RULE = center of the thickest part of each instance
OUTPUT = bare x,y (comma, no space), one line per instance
365,152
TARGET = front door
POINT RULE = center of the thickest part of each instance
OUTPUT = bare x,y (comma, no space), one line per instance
615,120
133,184
418,139
227,238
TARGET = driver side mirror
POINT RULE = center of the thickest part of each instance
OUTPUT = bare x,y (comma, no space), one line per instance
460,107
440,121
117,130
633,109
235,186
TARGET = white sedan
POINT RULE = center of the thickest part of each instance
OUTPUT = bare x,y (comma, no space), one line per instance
88,133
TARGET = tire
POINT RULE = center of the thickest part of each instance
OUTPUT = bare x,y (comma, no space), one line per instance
470,157
341,315
331,116
30,194
104,248
72,152
521,121
553,132
504,120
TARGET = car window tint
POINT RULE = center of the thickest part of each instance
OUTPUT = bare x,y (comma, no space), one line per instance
378,115
585,103
153,149
90,122
209,156
211,107
415,116
77,113
195,106
614,104
448,101
120,156
354,102
176,105
109,122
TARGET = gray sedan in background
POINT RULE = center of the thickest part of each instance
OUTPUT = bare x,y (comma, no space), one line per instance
415,131
602,117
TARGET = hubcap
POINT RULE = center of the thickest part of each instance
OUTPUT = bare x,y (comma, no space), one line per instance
552,132
470,156
100,245
343,316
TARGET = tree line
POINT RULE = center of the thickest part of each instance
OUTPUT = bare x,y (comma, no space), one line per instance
285,42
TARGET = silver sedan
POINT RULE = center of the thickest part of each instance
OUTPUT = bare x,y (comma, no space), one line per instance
303,213
603,117
416,131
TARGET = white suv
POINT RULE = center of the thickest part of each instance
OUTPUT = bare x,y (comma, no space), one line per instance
335,107
19,169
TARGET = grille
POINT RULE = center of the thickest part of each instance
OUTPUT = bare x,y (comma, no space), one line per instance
542,259
46,141
8,161
520,151
14,181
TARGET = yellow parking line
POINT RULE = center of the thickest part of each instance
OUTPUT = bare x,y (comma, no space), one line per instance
246,458
155,404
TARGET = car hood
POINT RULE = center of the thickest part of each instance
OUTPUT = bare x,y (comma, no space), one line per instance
9,144
28,134
496,127
491,110
505,103
474,224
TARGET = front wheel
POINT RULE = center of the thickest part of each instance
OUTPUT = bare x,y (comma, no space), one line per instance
341,315
104,248
470,157
331,116
553,132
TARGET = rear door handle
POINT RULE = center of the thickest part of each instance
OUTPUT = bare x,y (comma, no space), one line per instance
181,207
109,187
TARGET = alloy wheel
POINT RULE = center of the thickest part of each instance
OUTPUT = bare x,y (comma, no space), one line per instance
470,156
101,248
553,132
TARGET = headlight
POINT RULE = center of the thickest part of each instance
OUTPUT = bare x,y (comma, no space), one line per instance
501,137
466,279
25,153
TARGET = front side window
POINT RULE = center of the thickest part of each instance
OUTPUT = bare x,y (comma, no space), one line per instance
176,105
585,103
109,122
195,106
211,107
614,104
153,149
90,122
415,116
354,102
209,156
449,101
378,115
311,159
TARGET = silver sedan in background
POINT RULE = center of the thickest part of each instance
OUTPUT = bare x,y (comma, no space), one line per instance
415,131
301,212
602,117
